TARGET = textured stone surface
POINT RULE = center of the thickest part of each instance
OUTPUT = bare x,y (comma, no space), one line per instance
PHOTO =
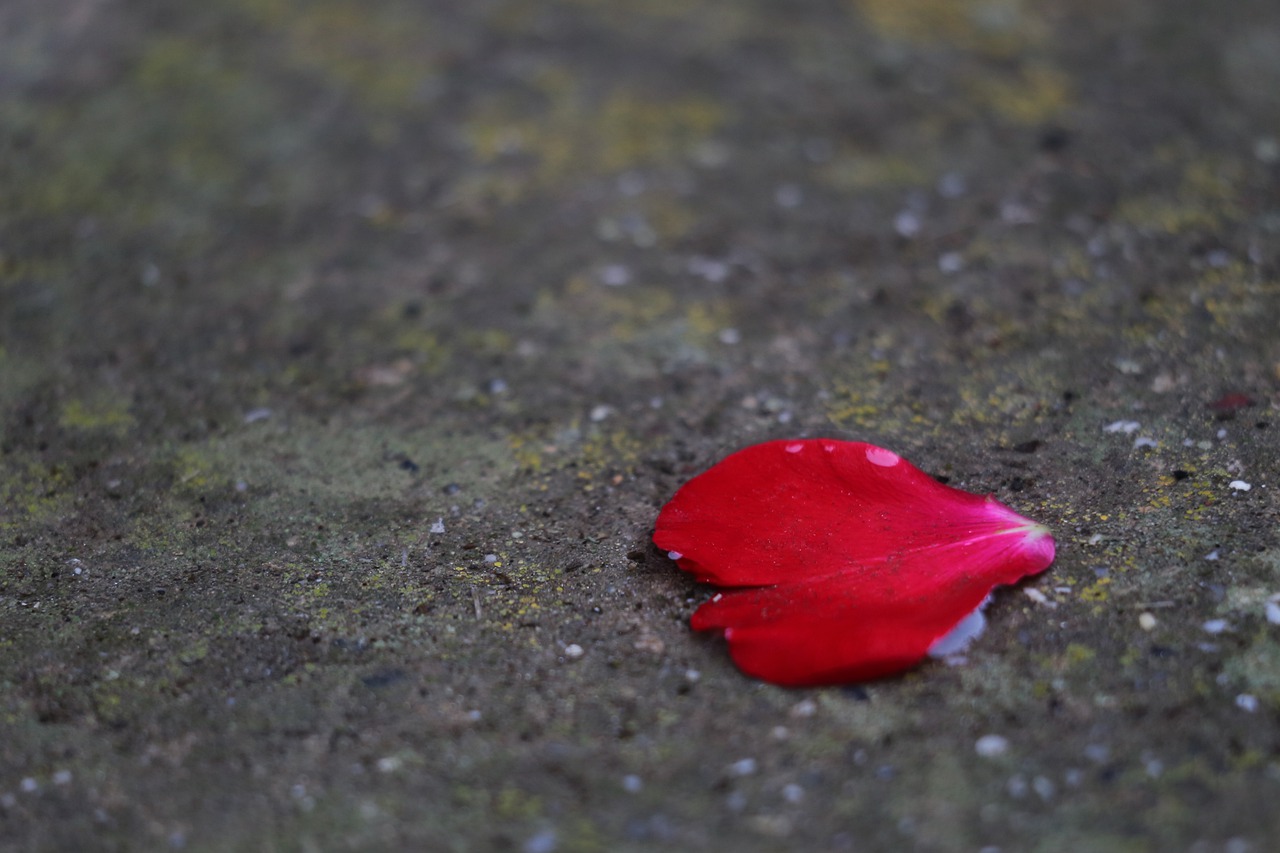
348,349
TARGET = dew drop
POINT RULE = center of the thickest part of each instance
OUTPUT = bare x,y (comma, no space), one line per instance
883,458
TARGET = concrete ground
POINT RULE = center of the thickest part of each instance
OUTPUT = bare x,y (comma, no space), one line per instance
348,349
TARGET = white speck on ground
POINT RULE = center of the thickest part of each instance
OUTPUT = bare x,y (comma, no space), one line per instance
950,263
792,793
730,336
615,275
573,651
600,413
29,785
542,842
1126,427
991,746
1146,621
1240,485
1215,626
254,415
906,224
744,767
803,708
1144,441
1247,702
438,527
1273,610
632,784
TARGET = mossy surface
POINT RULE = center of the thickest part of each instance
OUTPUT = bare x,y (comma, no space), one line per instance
349,349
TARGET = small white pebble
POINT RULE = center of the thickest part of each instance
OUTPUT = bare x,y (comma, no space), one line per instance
62,777
600,413
491,558
1035,595
615,275
1212,555
632,784
1126,427
692,676
1097,752
780,732
804,708
730,336
792,793
745,767
1247,702
438,527
674,555
1273,610
1095,539
1144,441
389,764
907,224
1146,621
991,746
1222,433
543,842
29,785
573,651
1240,485
254,415
1215,626
950,263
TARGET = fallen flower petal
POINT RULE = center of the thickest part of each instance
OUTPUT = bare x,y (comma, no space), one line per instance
841,561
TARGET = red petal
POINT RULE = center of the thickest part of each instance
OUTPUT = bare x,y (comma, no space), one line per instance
852,561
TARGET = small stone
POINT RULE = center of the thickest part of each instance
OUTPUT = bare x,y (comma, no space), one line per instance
792,793
1273,610
1126,427
1240,485
573,651
600,413
615,275
1146,621
991,746
1215,626
907,224
543,842
1247,702
438,527
632,784
745,767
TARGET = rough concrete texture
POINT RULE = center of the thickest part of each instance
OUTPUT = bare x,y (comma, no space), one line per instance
350,347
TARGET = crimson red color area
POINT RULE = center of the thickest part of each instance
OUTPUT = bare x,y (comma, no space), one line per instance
840,560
